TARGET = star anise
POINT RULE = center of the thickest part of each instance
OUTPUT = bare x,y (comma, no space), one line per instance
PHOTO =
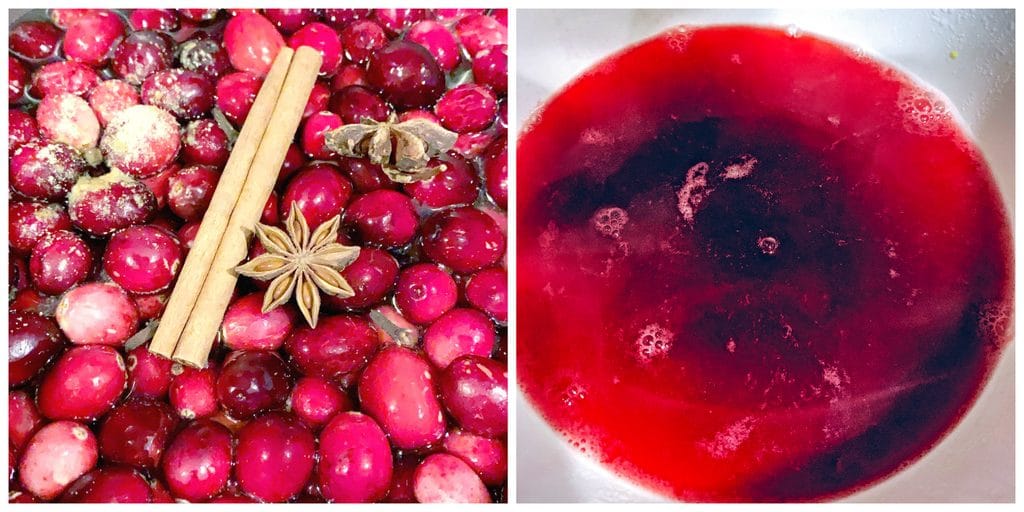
301,263
403,150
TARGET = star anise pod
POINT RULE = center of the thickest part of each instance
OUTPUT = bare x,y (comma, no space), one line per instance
403,150
301,263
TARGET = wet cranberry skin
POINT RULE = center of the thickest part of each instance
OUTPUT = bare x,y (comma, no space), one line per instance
33,341
318,99
356,103
467,108
456,185
361,39
439,41
290,20
340,18
372,276
34,39
191,190
445,478
186,94
236,93
83,384
464,239
197,463
355,460
142,54
385,218
17,80
153,19
97,313
487,290
111,484
349,74
143,259
479,32
30,222
59,261
205,143
337,346
69,442
475,391
313,132
193,391
204,55
246,327
459,332
425,292
45,170
490,68
316,400
149,375
323,39
252,382
320,191
21,129
63,76
90,38
397,389
141,140
136,432
275,457
496,172
102,205
406,74
110,98
23,418
366,176
487,456
252,42
69,119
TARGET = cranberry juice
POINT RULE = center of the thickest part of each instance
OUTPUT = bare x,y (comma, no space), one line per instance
755,266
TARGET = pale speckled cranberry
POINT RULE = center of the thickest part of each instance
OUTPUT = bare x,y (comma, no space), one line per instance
397,389
361,39
153,19
475,391
59,261
385,218
275,457
142,54
23,419
111,484
464,239
45,170
28,223
107,203
456,185
17,80
467,108
478,32
320,191
252,42
490,68
290,20
338,345
356,103
445,478
236,93
313,132
33,341
149,375
425,292
97,313
459,332
318,99
142,259
186,94
63,76
204,55
487,290
246,327
63,18
83,384
252,382
406,74
316,400
141,140
90,38
487,456
69,442
110,98
21,129
348,74
205,143
366,176
372,276
323,39
193,391
355,460
439,41
197,463
68,119
34,39
191,190
136,432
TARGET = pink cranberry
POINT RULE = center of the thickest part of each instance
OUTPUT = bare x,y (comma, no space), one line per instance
45,170
467,108
153,19
141,140
90,38
475,392
496,172
104,204
464,239
318,98
439,41
97,314
361,39
487,290
316,400
63,76
150,306
275,455
323,39
30,222
204,55
191,190
185,94
456,185
246,327
68,119
83,384
253,382
197,463
69,442
349,74
425,292
383,217
34,40
313,132
252,43
110,98
33,341
205,143
356,103
487,456
355,460
365,175
142,54
479,32
59,261
397,389
406,74
149,375
372,276
289,20
320,192
458,332
233,497
456,14
340,18
473,144
445,478
490,68
21,129
109,485
235,95
395,21
17,80
193,391
23,418
136,432
338,345
418,114
142,259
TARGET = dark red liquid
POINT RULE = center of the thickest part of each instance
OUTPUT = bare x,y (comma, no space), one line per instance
805,286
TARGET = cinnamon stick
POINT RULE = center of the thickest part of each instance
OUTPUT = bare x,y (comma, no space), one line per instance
201,328
215,221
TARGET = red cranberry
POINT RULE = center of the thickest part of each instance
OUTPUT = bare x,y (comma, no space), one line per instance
59,261
29,300
397,389
253,382
467,108
193,391
356,103
439,41
365,175
153,19
90,38
479,32
150,306
30,222
200,16
338,345
318,98
425,292
246,327
275,455
252,42
233,497
149,375
186,94
340,18
406,74
490,68
464,239
142,259
191,190
294,160
323,39
205,143
487,456
496,172
204,55
83,384
160,184
418,114
63,76
320,192
289,20
456,14
23,418
372,276
316,400
487,290
104,204
21,129
349,74
141,140
395,21
313,132
33,341
63,18
444,478
110,98
97,313
112,484
235,95
458,332
45,170
456,185
34,40
383,217
361,39
17,80
355,460
187,235
136,432
401,483
475,391
70,443
68,119
501,15
142,54
197,463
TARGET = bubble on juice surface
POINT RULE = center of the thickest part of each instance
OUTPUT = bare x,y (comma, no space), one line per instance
573,394
610,221
793,31
652,342
694,190
679,38
924,113
995,322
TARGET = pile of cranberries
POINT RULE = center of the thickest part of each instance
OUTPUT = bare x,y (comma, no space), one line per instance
120,124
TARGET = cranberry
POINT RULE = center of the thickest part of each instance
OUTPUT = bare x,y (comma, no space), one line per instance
64,76
21,129
479,32
186,94
17,80
205,143
439,41
383,217
70,443
320,192
365,175
35,40
23,418
323,39
193,391
110,98
153,19
464,239
313,132
401,483
445,478
150,306
30,222
149,375
456,14
63,18
349,74
275,457
316,400
59,261
467,108
252,382
33,341
456,185
496,172
487,290
338,345
90,38
142,259
340,18
475,391
191,190
289,20
160,184
83,384
97,313
104,204
246,327
235,95
418,114
355,460
136,432
293,161
197,463
473,144
372,276
205,56
199,15
425,292
361,39
406,74
68,119
318,98
45,170
141,140
252,42
490,68
458,332
395,21
356,103
485,455
142,54
397,389
111,484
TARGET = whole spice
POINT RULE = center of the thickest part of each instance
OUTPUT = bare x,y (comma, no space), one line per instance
403,150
